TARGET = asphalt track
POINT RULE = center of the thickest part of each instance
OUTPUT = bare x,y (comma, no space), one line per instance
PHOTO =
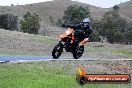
10,58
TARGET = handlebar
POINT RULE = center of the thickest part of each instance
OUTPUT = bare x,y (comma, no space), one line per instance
67,25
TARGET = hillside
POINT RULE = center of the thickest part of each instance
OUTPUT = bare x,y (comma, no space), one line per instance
55,9
126,10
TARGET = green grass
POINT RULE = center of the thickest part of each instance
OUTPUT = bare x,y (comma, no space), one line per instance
105,49
43,39
20,53
47,74
97,49
127,52
14,53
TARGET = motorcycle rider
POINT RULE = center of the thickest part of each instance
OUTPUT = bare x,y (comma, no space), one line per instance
83,30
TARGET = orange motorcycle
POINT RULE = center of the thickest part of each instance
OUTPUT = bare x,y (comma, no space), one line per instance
69,41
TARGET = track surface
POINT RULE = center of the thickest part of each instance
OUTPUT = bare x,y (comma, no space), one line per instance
7,58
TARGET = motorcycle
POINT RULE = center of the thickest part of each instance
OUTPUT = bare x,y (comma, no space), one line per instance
69,41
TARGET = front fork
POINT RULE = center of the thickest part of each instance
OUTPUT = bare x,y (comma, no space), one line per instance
61,45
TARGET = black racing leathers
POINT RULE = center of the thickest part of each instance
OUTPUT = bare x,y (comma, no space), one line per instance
80,30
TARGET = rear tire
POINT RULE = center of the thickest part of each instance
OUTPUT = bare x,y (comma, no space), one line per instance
57,51
78,51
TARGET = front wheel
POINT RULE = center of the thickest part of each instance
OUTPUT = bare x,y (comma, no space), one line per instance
78,51
57,51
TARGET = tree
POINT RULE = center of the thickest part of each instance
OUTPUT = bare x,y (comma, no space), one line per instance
12,5
119,37
59,22
8,22
75,14
116,8
52,19
30,23
113,26
128,36
128,33
94,37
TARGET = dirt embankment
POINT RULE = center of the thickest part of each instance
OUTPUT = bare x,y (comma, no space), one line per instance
12,42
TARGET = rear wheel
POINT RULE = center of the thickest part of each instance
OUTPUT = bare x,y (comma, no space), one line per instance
78,51
57,51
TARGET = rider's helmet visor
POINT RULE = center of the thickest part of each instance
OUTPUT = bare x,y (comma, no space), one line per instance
85,23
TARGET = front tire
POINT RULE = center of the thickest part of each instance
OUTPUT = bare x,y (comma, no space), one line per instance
57,51
78,51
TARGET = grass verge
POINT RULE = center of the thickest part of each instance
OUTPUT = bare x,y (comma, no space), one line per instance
46,74
127,52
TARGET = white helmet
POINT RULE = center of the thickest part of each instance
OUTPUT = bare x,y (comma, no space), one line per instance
86,20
